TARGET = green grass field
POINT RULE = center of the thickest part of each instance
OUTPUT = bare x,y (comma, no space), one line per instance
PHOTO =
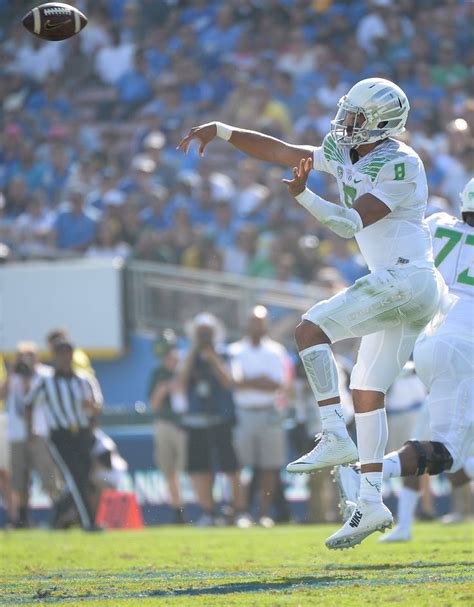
287,565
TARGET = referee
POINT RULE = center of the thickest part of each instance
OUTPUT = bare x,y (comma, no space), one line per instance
70,400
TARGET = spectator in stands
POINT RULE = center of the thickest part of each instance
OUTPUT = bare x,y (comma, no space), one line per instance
165,171
115,59
286,92
134,88
251,194
210,417
58,172
236,258
448,71
299,58
75,228
168,404
16,197
203,253
34,229
108,244
260,370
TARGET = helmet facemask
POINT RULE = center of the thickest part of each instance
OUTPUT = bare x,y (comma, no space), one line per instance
348,127
379,114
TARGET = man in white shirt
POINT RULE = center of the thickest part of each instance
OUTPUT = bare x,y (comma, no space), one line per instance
259,369
27,454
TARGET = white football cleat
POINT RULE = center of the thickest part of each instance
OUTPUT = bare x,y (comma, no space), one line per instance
330,450
366,518
347,479
399,534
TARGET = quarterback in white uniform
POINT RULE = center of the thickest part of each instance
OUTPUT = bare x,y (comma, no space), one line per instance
383,192
444,360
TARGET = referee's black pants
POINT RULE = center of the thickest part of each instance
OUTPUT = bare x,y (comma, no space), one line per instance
71,450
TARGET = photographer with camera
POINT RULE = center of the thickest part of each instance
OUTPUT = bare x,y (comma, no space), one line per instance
210,418
26,454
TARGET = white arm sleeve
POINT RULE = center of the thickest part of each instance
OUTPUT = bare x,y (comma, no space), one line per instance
342,221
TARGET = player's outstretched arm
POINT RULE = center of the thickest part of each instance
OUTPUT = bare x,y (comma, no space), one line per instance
345,222
252,143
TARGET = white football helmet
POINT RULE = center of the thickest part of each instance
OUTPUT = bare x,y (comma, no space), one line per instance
373,109
467,197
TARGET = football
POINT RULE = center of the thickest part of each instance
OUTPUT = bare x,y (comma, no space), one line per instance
54,21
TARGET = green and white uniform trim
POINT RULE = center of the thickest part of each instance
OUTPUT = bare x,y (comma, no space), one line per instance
394,174
453,249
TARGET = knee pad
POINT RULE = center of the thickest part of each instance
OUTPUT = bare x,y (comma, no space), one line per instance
320,367
434,463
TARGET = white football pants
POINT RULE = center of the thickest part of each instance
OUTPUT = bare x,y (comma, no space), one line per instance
445,363
388,309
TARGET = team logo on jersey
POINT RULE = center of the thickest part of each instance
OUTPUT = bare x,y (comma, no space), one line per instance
340,172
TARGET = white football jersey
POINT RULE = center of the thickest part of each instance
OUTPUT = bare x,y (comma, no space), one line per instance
453,249
393,173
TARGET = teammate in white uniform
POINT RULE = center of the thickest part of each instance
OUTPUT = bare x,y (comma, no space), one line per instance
445,362
383,192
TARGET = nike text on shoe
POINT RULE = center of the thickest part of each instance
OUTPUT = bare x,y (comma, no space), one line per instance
330,450
399,534
366,518
347,479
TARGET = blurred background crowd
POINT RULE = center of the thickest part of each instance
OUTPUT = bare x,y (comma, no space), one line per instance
89,167
88,164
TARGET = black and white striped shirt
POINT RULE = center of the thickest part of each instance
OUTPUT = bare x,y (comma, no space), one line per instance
62,397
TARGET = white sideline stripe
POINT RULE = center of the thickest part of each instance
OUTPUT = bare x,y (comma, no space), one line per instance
71,483
77,22
36,21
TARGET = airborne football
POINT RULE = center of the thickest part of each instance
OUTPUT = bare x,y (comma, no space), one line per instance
54,21
237,303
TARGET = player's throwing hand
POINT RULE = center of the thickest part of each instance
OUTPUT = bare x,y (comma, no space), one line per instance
300,176
203,133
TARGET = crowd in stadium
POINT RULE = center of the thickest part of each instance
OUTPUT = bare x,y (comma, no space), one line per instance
88,164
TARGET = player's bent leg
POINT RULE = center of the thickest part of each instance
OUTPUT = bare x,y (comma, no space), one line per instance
333,445
369,514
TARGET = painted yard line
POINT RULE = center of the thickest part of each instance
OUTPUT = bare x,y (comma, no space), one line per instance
242,588
93,574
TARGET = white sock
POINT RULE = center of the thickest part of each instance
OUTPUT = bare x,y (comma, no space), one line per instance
332,419
392,466
371,486
407,502
469,467
372,435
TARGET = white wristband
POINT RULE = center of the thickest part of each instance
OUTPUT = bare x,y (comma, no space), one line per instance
224,131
